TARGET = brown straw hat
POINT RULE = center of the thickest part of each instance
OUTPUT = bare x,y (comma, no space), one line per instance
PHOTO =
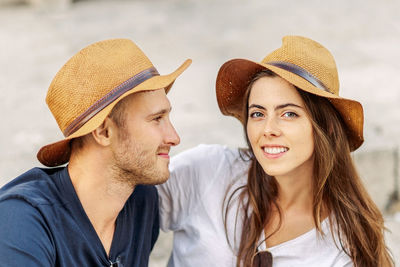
302,62
91,83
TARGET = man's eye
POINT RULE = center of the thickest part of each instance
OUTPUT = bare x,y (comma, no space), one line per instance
158,118
256,114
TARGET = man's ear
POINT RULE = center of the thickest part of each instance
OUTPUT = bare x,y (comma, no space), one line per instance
102,134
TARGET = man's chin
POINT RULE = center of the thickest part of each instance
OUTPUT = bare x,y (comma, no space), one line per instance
160,179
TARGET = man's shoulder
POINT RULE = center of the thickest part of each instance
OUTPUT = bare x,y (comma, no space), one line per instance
30,219
21,202
36,186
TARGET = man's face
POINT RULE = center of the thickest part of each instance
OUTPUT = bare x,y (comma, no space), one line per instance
141,146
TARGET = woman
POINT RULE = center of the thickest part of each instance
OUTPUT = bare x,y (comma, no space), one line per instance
303,203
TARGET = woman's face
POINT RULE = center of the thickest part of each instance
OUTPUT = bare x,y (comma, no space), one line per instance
279,129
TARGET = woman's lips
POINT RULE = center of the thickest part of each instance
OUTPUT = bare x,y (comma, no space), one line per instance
274,151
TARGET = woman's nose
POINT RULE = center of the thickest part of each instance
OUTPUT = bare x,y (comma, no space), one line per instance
271,128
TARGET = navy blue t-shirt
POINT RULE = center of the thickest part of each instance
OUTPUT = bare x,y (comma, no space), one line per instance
42,223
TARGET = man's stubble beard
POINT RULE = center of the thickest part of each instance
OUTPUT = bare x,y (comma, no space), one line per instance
135,165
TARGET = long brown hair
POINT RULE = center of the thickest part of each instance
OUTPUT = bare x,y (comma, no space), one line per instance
337,187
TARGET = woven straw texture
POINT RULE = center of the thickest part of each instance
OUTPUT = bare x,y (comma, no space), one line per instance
91,74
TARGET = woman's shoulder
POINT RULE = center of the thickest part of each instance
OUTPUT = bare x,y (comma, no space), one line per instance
205,165
312,248
210,154
207,150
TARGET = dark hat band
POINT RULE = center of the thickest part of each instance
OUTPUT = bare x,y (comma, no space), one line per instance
109,98
300,72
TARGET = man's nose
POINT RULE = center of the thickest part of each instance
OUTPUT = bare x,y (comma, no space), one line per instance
172,137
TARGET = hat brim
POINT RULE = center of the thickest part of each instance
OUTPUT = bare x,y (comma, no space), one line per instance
235,75
58,153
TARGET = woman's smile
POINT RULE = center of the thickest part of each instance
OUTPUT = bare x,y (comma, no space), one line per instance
279,128
274,151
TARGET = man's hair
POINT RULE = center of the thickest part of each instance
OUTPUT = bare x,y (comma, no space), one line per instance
117,115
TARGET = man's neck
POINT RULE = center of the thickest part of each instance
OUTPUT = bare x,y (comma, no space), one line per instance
101,196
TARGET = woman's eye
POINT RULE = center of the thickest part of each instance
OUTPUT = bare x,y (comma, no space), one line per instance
290,115
256,114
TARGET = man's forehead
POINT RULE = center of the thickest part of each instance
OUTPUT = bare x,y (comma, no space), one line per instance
150,100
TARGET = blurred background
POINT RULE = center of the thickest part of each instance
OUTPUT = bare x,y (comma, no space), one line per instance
38,36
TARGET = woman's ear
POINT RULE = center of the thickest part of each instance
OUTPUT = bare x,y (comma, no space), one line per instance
102,134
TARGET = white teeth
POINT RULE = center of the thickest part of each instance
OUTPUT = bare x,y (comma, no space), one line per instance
275,150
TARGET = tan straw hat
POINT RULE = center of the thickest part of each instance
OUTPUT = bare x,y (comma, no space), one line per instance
302,62
88,86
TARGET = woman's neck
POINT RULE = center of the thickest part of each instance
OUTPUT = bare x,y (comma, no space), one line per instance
296,189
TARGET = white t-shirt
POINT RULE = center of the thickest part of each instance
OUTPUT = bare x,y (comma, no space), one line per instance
192,204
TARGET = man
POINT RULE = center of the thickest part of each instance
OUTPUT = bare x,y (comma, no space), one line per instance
101,209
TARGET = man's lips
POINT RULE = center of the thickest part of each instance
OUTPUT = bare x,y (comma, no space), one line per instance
163,154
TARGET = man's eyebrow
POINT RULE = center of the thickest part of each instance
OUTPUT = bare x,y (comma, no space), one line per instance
277,107
161,112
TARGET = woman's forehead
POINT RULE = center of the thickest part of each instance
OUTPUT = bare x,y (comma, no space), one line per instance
274,91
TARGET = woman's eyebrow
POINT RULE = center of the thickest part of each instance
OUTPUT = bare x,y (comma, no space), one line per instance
287,105
256,106
277,107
